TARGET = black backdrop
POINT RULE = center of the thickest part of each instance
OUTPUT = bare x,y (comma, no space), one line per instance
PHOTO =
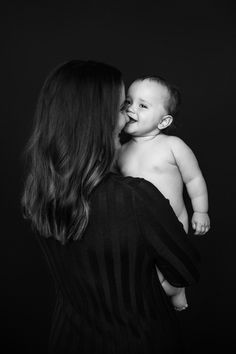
190,44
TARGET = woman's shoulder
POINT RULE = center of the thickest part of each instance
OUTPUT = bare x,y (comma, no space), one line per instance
139,187
116,182
125,182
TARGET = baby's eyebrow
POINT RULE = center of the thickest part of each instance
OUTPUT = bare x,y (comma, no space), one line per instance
142,100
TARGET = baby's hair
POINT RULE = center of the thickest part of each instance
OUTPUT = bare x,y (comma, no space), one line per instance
174,101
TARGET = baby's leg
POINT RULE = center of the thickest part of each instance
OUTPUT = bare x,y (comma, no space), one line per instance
160,276
178,298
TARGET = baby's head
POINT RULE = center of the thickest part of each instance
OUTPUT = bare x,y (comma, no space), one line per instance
152,104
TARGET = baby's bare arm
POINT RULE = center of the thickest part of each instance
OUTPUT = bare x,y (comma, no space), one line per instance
195,184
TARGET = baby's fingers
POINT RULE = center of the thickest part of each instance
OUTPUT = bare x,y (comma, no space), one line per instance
207,228
204,229
194,225
199,229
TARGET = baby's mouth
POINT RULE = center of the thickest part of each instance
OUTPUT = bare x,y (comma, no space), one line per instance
131,120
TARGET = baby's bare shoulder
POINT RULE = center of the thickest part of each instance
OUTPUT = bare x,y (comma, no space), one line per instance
175,142
180,149
172,139
168,141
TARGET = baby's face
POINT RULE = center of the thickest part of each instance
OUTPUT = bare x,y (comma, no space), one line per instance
146,101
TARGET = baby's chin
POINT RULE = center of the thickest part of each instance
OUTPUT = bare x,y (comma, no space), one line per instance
138,134
134,133
130,128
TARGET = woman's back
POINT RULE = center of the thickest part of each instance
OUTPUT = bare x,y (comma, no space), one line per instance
109,299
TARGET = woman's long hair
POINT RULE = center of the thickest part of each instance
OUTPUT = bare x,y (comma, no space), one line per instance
71,147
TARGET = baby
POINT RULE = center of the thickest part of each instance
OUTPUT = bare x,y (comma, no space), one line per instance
164,160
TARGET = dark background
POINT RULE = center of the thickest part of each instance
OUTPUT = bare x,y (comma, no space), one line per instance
189,43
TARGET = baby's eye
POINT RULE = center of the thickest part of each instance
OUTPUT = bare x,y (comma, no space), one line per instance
123,106
142,105
126,102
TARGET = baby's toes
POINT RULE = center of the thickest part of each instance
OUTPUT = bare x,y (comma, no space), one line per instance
181,308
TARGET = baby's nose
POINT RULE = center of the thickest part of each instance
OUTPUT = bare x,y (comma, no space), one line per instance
131,114
130,109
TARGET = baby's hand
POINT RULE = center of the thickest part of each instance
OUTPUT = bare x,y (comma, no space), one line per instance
200,223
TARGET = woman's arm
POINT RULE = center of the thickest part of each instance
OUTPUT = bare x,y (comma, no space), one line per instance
165,237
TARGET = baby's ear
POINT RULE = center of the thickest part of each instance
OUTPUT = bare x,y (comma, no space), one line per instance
165,122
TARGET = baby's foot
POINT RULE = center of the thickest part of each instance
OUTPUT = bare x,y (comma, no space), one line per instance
179,300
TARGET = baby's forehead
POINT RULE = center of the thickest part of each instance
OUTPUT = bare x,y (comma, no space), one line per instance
149,88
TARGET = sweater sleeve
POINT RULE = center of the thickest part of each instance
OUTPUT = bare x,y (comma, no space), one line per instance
165,237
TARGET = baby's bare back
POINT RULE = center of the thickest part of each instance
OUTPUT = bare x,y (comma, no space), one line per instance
154,161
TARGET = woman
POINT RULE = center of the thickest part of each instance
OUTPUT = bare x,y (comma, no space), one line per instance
101,233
